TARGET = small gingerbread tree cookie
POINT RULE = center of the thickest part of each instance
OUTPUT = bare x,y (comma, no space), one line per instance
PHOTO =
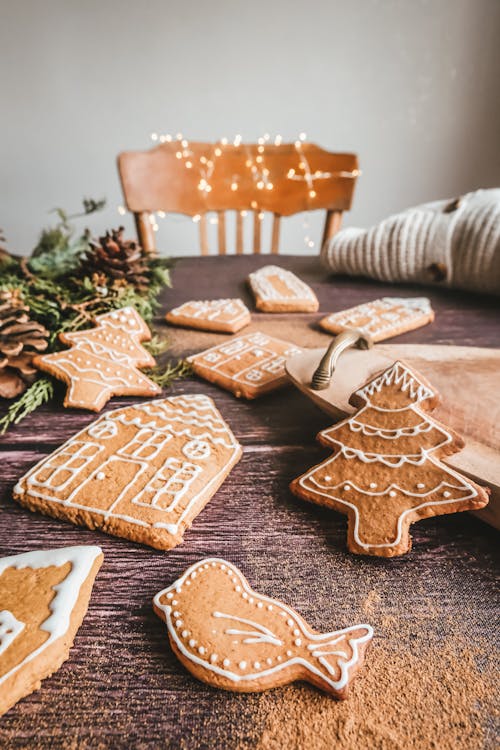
386,471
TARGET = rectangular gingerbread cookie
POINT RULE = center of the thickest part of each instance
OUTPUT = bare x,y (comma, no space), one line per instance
44,596
248,366
278,290
382,318
222,315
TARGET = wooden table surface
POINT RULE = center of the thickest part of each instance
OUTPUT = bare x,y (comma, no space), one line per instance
122,686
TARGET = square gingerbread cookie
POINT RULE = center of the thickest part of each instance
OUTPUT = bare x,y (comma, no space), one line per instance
248,366
222,315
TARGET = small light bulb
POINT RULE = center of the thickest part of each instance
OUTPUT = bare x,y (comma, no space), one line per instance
260,141
260,185
278,140
265,172
261,215
237,140
302,165
269,186
162,139
178,154
260,149
223,141
248,163
291,173
122,210
208,189
243,213
302,136
258,159
234,186
254,204
298,144
217,151
312,193
154,136
310,243
266,136
196,218
168,138
184,143
179,136
152,219
161,214
203,159
155,227
210,164
189,165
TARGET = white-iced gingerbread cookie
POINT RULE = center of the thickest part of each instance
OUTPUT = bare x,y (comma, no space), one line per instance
248,366
278,290
222,315
103,361
382,318
231,637
43,600
143,472
386,472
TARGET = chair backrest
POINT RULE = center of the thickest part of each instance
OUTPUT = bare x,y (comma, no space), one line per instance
199,178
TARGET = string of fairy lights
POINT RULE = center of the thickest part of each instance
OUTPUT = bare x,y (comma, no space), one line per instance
259,172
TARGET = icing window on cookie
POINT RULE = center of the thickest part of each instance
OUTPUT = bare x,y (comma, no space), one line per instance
10,628
61,468
169,485
104,429
254,375
196,449
146,444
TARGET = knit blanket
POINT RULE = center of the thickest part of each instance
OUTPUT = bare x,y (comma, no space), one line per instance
454,243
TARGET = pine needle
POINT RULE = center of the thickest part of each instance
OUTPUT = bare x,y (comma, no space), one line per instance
164,375
40,392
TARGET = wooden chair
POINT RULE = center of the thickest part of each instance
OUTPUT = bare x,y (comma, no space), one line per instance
198,178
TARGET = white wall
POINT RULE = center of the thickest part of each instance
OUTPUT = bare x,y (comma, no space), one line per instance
411,85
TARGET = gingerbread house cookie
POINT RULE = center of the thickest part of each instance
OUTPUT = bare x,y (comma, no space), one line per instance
382,318
278,290
221,315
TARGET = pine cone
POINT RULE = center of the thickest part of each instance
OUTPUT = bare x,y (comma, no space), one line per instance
20,339
118,259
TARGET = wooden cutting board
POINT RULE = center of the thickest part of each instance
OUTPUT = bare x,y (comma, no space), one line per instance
468,379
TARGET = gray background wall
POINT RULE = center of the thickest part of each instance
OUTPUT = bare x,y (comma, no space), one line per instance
411,85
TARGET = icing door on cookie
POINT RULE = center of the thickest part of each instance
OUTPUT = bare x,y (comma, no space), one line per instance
122,471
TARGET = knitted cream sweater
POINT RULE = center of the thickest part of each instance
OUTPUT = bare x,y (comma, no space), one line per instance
455,243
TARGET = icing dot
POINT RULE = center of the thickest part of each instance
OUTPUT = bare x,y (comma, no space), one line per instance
392,493
242,665
174,602
250,599
289,623
177,614
296,631
213,565
100,475
244,595
222,567
237,588
280,658
256,665
446,493
420,485
170,595
226,663
373,485
188,583
193,574
260,605
201,650
206,566
328,478
270,607
289,653
235,580
185,633
346,487
178,623
213,658
192,642
298,642
269,661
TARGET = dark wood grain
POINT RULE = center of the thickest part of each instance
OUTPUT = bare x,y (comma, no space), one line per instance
121,686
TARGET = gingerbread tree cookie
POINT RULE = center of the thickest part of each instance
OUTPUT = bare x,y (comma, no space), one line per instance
386,471
232,637
43,599
103,361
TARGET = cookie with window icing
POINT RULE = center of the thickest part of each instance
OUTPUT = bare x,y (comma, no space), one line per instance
231,637
103,361
386,470
249,366
382,318
143,472
44,596
221,315
277,290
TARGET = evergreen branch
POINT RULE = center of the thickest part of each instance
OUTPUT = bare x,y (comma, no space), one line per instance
40,392
164,375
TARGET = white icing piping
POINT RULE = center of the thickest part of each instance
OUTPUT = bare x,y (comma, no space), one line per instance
343,666
213,310
82,559
10,628
413,308
262,285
